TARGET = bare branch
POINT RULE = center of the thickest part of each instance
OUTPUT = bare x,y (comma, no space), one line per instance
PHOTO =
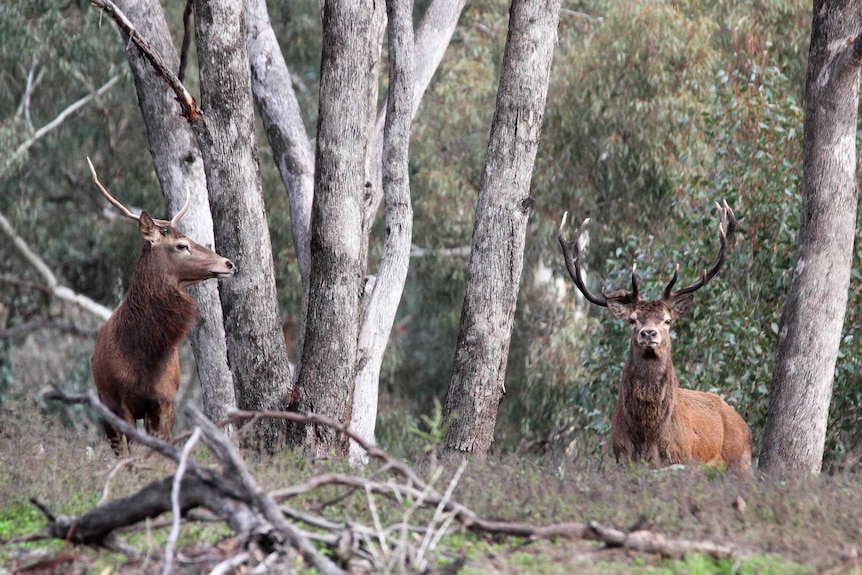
176,509
228,456
61,292
187,102
649,542
61,117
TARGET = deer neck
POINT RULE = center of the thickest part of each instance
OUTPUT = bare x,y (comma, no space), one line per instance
648,393
154,317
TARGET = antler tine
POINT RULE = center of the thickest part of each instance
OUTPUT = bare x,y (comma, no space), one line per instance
634,295
667,290
572,255
176,219
726,228
123,209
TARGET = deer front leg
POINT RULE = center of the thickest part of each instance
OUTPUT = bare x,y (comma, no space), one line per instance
160,422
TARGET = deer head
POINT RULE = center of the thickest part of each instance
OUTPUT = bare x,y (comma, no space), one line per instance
168,254
650,320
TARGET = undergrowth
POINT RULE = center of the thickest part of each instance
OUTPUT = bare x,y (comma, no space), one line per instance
799,525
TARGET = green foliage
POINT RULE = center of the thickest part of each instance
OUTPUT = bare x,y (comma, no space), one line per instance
649,184
20,518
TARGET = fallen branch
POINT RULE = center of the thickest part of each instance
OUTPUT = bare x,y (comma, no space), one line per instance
255,515
234,496
649,542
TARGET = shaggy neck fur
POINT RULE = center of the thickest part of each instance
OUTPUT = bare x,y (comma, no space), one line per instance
647,392
154,316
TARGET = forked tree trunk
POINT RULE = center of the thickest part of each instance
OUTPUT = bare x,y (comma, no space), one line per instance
226,137
179,167
810,331
325,382
379,314
291,149
496,257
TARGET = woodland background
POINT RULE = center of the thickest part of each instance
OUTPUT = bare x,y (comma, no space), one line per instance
654,111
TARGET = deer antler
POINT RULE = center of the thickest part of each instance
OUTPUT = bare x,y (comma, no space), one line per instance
123,209
128,213
572,254
176,219
726,229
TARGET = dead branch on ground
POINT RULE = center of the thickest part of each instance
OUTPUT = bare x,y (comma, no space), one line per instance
262,521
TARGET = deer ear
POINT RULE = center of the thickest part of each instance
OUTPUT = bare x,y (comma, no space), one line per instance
619,310
147,227
681,306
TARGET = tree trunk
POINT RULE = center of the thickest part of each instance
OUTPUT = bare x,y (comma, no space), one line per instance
811,324
432,38
180,169
325,382
226,137
379,315
502,210
282,121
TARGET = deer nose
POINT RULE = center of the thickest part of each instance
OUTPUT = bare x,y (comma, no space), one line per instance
649,334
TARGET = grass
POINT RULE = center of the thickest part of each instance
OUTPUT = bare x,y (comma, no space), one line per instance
799,525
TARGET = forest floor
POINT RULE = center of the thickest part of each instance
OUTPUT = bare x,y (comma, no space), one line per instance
797,525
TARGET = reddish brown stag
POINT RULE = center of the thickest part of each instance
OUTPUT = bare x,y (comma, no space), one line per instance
654,419
135,365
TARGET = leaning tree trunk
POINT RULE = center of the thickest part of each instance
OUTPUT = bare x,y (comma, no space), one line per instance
227,141
179,168
325,382
379,314
810,331
496,257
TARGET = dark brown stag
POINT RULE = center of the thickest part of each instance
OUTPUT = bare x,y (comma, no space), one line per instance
654,419
135,365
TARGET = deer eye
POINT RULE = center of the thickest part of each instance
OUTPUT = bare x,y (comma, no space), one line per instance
632,321
183,247
668,321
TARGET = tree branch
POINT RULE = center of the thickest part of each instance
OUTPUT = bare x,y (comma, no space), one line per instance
61,117
54,287
187,102
252,513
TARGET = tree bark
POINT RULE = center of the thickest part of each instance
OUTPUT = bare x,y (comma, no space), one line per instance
226,137
431,40
291,149
502,210
179,168
811,324
325,382
379,315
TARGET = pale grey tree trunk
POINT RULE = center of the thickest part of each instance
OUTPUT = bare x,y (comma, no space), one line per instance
810,330
502,210
291,150
379,314
431,40
327,368
287,137
226,136
179,168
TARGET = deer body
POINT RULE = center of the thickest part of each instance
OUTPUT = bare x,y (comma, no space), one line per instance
655,420
135,363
